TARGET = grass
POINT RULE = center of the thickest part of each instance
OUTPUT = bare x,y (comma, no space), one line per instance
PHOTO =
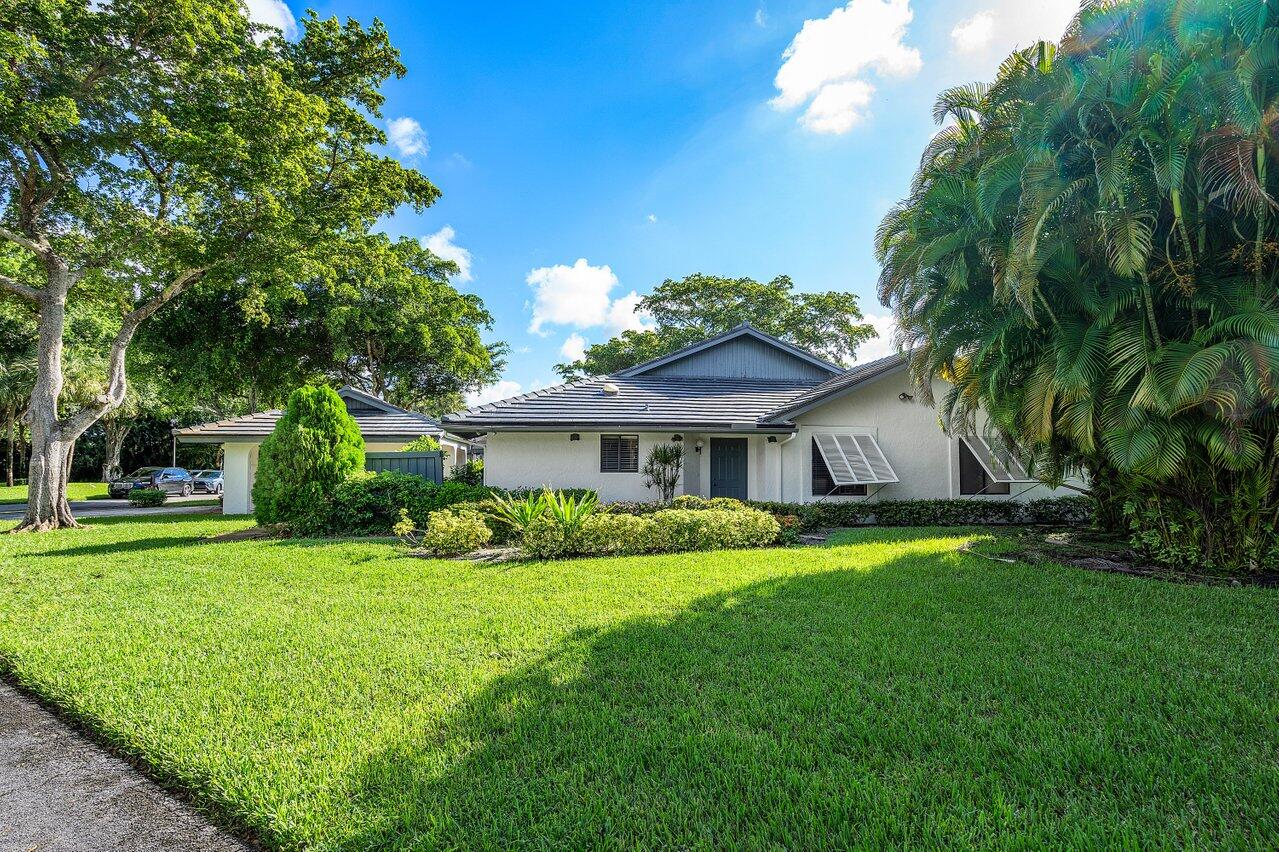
882,691
75,491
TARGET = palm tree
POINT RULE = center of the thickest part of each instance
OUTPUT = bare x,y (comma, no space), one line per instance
1088,254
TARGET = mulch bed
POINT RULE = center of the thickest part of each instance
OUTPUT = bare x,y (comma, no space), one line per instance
1094,551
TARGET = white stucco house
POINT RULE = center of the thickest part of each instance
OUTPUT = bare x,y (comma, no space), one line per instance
759,419
385,427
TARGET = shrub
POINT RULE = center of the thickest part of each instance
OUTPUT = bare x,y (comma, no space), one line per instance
662,469
688,501
450,532
314,447
468,473
713,529
544,538
933,513
569,510
1060,511
147,497
422,444
790,529
513,514
608,534
370,504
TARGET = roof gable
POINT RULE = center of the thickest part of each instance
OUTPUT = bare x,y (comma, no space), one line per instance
359,401
839,386
742,353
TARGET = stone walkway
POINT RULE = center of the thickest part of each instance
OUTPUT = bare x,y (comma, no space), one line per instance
60,792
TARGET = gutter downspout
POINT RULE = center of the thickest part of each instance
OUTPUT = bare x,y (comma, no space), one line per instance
781,465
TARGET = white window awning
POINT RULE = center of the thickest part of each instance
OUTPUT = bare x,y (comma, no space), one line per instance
854,459
1000,465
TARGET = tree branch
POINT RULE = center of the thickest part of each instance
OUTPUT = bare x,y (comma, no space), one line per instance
18,288
117,384
40,247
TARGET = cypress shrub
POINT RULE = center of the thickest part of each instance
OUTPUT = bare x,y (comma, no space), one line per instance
314,447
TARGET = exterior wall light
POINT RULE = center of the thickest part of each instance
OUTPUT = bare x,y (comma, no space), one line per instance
905,397
697,448
575,437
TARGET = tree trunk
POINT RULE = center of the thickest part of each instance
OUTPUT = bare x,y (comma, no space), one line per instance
47,507
116,433
10,415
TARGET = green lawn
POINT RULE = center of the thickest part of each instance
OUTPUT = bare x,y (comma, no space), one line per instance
75,491
884,691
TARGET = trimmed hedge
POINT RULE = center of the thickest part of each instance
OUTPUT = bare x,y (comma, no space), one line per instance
370,504
1060,511
664,531
147,497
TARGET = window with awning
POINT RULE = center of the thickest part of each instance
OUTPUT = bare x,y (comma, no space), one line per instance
1000,465
854,459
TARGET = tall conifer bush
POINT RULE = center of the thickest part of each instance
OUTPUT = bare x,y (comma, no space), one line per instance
314,447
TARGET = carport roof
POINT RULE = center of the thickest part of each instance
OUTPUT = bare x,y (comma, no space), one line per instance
379,421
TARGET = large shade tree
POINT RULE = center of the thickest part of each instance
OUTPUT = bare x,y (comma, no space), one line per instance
1089,253
150,145
689,309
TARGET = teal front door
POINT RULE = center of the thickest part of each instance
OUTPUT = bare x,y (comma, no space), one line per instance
728,467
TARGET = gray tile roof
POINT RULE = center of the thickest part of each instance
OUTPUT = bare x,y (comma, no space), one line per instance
665,401
404,425
641,401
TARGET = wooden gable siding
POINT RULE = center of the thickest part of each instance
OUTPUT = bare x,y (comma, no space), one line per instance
743,358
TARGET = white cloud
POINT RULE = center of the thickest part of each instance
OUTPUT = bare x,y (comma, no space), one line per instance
990,33
579,296
441,243
879,347
838,107
761,17
492,393
273,13
976,33
574,348
623,316
407,136
835,53
652,218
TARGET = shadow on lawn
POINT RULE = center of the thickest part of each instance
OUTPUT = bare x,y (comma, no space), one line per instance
930,699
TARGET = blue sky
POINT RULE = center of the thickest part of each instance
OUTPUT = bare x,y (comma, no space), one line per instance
587,151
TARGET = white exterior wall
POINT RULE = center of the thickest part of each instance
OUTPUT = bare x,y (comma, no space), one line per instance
536,459
923,457
239,467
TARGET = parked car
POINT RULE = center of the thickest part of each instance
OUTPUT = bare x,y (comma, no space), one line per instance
173,480
208,481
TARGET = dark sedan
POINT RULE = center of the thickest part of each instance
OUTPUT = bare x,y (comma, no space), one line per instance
173,480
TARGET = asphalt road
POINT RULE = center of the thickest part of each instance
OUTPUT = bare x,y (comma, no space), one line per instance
112,508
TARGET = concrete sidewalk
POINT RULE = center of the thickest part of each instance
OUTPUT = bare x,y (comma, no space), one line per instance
60,792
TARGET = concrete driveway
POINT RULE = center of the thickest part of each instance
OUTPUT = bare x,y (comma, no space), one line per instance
117,508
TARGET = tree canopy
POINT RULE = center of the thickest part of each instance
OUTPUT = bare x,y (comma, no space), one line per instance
1089,254
151,146
696,307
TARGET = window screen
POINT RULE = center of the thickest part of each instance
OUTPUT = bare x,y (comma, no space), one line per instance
824,484
619,453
